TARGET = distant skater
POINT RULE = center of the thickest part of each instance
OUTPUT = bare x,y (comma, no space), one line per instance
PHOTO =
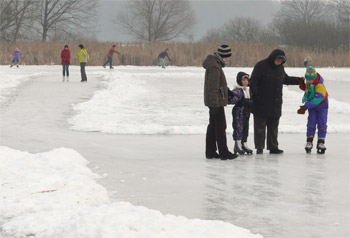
240,96
65,57
16,54
161,57
316,102
83,58
109,57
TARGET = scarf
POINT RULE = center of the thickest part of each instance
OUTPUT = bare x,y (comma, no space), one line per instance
245,90
219,59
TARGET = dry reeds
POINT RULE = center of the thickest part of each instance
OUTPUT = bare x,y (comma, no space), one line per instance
181,54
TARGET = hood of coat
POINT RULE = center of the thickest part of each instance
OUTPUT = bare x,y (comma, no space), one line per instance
239,77
210,61
274,54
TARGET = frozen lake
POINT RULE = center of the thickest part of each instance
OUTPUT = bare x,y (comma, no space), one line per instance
290,195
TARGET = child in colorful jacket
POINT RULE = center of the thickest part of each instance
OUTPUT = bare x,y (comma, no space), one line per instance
16,54
240,96
316,101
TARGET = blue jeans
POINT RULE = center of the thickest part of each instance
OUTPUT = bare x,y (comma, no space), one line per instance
16,59
162,62
109,60
65,69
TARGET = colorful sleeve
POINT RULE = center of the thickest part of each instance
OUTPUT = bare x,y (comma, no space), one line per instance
237,96
320,95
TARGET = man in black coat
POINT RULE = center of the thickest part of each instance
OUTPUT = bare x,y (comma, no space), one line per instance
266,84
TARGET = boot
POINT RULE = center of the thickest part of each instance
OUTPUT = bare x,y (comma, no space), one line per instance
11,65
238,147
308,147
246,148
320,147
276,151
228,155
259,151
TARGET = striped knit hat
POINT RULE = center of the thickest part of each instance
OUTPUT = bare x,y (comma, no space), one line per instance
310,73
224,51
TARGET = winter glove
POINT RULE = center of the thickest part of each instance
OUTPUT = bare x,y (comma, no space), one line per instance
301,81
213,111
301,110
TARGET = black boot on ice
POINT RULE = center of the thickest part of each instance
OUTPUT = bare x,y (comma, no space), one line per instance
246,148
308,147
320,147
238,148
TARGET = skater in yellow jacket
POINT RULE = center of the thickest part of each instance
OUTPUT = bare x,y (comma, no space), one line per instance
83,58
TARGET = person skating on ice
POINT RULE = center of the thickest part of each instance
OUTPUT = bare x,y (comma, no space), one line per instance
110,53
16,54
240,96
161,57
316,102
215,98
65,61
83,58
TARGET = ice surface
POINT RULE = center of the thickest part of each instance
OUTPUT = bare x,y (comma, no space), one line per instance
292,195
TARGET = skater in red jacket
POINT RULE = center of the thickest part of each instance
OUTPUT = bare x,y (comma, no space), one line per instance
65,56
109,57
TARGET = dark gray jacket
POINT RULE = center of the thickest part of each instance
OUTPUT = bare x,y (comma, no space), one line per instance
266,85
215,85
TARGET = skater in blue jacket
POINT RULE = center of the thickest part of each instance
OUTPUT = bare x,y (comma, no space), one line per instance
16,54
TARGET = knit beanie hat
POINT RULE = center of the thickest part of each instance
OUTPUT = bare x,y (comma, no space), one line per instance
224,51
310,73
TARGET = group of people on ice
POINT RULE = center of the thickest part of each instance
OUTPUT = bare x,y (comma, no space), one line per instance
260,94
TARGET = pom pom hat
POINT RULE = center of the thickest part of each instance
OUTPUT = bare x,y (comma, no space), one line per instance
310,73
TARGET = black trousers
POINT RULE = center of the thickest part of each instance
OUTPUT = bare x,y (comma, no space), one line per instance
260,125
82,71
216,133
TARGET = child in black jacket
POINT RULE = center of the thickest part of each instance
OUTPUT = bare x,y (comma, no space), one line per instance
240,96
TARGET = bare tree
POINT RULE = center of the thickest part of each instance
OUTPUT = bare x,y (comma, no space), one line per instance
156,20
305,11
65,14
242,29
7,18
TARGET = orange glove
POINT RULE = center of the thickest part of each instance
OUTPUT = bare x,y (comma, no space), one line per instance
301,110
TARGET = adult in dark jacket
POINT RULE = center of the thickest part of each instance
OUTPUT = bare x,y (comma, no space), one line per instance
266,84
161,57
65,57
215,97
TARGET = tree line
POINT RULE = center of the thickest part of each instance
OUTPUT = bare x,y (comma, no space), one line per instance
312,24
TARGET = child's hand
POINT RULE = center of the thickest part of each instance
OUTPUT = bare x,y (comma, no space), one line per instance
301,110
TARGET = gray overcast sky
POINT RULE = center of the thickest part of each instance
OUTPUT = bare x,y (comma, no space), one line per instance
209,14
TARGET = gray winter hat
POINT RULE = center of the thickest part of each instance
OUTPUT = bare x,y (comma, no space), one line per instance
224,51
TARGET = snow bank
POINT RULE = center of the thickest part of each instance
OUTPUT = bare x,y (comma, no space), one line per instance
54,194
149,100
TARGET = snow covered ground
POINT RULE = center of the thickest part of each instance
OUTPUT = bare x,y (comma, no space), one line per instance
159,163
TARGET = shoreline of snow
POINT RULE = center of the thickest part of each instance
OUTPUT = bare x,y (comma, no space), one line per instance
54,194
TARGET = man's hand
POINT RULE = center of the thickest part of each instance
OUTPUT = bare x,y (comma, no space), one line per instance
301,110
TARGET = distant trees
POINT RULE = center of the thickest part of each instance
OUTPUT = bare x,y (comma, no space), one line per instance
315,24
156,20
43,19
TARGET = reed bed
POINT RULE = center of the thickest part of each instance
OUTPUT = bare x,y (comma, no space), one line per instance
181,54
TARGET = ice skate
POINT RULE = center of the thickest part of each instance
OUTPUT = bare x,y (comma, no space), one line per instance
246,148
308,147
17,66
238,147
11,65
67,79
321,148
63,79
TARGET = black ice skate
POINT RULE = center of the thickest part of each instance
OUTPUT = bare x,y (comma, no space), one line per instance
238,147
308,147
246,148
320,148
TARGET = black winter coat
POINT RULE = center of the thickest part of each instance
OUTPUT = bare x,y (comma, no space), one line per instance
267,86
